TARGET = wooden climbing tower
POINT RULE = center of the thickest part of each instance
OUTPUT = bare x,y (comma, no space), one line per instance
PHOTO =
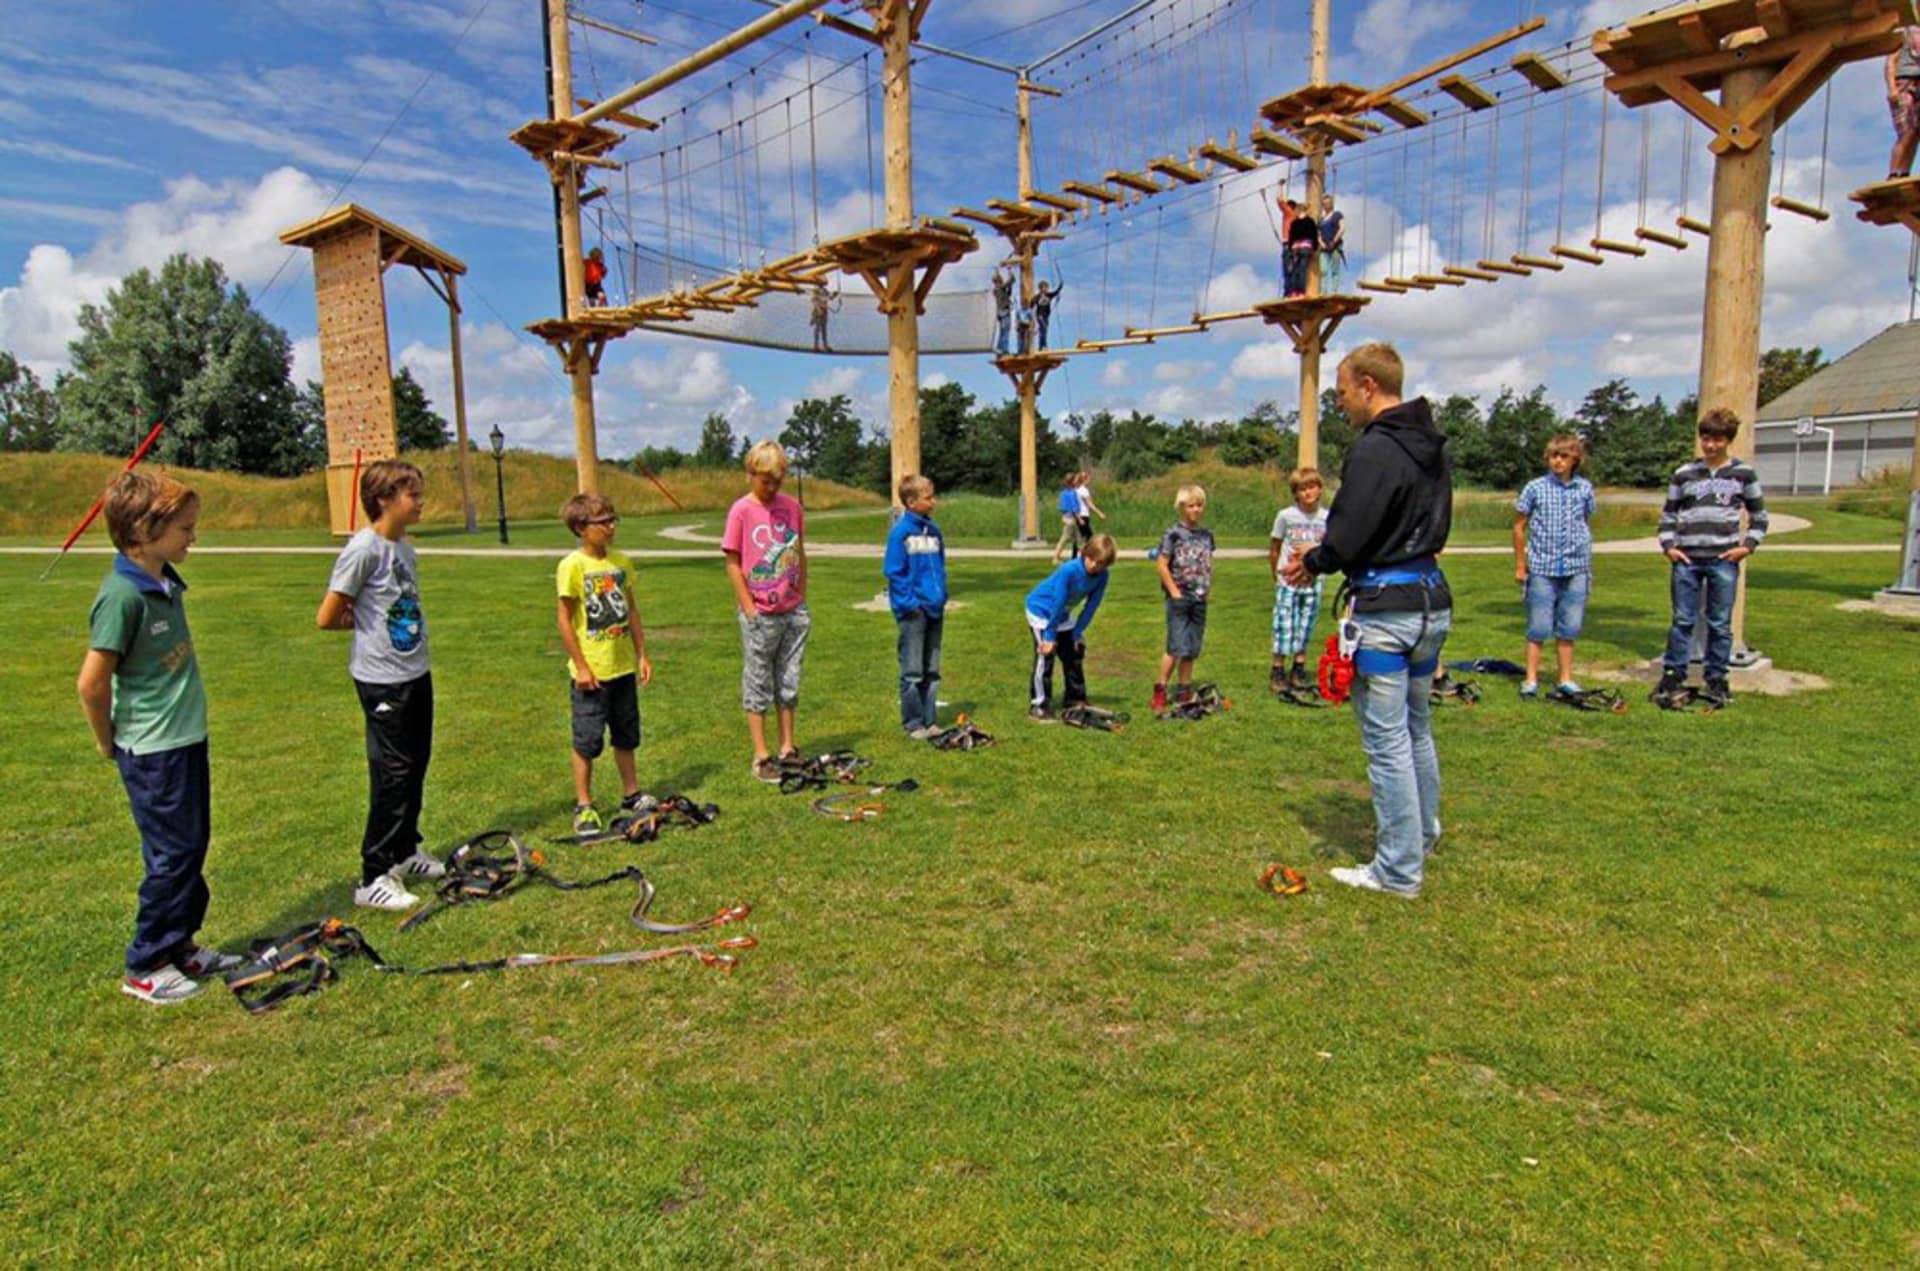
352,251
1897,202
1765,59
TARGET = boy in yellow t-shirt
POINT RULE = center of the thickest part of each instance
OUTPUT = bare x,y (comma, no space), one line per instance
606,651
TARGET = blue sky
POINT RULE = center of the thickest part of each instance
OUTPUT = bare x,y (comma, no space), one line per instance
134,130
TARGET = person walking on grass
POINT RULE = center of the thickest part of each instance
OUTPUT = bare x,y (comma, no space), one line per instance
606,654
375,593
1072,539
767,567
1553,560
1384,533
140,689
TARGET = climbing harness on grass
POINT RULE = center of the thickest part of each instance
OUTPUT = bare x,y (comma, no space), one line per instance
817,772
644,824
1610,700
1685,697
489,866
1197,702
1085,715
1459,692
302,962
1336,664
963,735
1279,880
1489,666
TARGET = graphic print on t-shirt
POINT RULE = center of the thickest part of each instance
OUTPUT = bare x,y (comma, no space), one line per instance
404,624
774,541
606,602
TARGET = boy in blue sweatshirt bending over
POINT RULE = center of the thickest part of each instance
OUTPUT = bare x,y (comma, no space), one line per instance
1056,633
916,570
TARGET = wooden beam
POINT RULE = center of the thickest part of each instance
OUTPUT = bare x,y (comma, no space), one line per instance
1403,113
1478,275
1273,143
1169,166
1798,208
1578,253
1228,158
1228,315
1452,60
1151,332
1023,209
1132,180
1694,226
1337,128
1390,288
985,218
1773,17
766,24
1059,202
1468,93
618,116
1439,280
1539,72
1100,192
1503,267
1616,246
1537,262
1410,283
1103,345
1694,34
1661,237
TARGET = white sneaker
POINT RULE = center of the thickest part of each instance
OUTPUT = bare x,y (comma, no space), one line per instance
384,892
419,865
1361,876
204,962
162,986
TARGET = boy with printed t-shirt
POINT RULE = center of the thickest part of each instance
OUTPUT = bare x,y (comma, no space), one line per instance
606,653
767,566
1185,560
1297,530
375,593
140,688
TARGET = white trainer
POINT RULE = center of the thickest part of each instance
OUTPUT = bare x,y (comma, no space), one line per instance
419,865
203,962
385,892
162,986
1361,876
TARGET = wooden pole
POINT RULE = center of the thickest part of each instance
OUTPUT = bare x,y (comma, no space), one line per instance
586,446
1909,581
903,324
1316,185
460,401
1029,454
1736,262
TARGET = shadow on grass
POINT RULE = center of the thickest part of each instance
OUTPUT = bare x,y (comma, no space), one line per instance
1339,823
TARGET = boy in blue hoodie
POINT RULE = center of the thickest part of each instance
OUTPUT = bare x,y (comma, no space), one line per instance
1055,630
916,570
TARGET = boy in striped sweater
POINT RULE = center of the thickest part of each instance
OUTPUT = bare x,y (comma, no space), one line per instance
1701,532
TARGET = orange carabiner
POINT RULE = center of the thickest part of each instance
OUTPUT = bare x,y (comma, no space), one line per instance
1290,882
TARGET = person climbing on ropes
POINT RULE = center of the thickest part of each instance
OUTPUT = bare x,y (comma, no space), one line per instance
1333,246
1002,310
1903,99
596,269
1043,310
1303,240
1385,531
820,304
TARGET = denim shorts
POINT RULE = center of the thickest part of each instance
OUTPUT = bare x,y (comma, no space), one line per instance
613,708
1186,627
1556,606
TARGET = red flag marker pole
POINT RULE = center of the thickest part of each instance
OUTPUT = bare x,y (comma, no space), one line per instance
353,495
140,452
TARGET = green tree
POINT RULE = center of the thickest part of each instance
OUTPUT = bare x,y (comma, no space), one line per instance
29,415
944,427
1630,442
184,347
1517,432
716,449
1781,369
310,425
823,436
660,459
1264,435
416,426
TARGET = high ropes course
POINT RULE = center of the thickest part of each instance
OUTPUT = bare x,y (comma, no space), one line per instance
1138,145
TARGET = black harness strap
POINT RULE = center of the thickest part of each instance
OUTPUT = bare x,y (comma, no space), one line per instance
1448,689
963,735
1610,700
1082,715
1203,700
476,873
820,771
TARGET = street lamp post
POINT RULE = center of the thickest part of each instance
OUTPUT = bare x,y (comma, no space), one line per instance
499,442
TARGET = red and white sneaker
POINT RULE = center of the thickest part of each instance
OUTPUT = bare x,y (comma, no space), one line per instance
203,962
163,986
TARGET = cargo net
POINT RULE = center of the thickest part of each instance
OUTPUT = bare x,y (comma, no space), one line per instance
955,321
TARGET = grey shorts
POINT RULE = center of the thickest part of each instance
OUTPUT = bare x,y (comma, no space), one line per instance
772,647
613,708
1186,627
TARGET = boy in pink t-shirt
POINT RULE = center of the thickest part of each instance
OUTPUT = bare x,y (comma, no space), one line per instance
768,570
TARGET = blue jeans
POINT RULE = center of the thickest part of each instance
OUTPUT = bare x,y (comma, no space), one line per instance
1294,267
1002,330
1556,606
1395,709
1709,582
170,794
919,667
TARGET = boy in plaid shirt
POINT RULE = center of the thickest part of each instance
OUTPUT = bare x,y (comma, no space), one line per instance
1553,559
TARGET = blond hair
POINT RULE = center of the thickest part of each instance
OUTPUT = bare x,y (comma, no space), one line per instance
766,457
1189,494
384,478
1567,443
914,486
582,508
1100,550
1379,362
140,506
1301,478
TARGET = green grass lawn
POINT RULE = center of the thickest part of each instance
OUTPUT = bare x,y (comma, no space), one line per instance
1658,1003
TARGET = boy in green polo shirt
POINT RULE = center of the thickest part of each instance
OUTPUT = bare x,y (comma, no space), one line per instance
606,653
140,688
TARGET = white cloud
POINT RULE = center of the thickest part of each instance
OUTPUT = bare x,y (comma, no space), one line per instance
939,379
835,381
1387,32
1173,371
1267,360
1115,374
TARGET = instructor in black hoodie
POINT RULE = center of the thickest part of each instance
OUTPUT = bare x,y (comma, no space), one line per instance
1386,529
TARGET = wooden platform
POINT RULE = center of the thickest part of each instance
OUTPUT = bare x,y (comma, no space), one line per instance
543,138
1307,319
397,246
1024,363
1681,54
1292,110
1890,203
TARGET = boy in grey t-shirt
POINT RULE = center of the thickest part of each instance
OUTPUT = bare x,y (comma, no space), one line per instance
375,593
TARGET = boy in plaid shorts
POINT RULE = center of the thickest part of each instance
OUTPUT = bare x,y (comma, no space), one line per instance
1297,530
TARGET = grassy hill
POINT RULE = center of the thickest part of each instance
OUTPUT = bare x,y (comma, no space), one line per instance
45,494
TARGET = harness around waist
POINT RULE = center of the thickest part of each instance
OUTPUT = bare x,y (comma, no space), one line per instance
1425,570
